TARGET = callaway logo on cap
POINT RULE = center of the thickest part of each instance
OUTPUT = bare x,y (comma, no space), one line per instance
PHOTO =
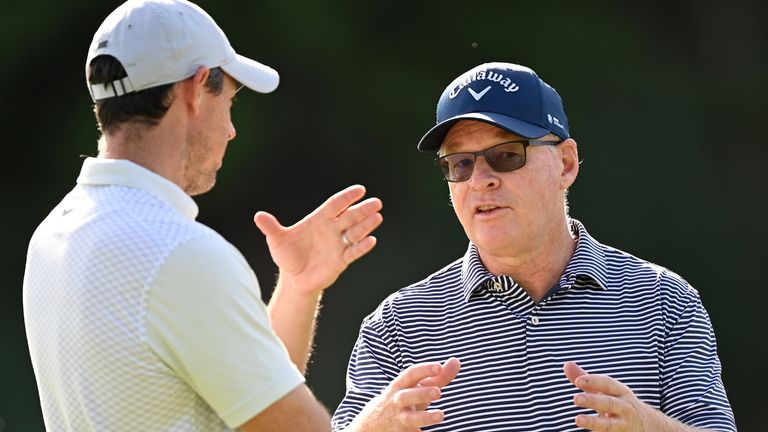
505,95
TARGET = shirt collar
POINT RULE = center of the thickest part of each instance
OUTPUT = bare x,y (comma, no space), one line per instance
473,272
120,172
588,260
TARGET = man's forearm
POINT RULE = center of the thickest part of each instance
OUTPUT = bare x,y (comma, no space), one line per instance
293,318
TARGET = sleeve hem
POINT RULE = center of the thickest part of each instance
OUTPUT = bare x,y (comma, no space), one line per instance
260,401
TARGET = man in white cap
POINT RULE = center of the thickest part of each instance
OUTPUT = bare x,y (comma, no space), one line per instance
140,318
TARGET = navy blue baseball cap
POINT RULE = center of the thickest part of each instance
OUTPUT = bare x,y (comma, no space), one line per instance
505,95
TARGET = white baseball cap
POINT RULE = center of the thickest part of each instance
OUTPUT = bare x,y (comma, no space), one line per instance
164,41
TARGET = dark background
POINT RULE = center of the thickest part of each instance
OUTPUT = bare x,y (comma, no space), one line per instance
667,100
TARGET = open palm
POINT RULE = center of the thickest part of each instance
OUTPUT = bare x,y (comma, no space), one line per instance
311,253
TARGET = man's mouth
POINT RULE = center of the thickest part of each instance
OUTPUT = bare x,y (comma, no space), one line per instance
489,209
486,208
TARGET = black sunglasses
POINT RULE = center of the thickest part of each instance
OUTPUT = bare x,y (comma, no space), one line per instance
504,157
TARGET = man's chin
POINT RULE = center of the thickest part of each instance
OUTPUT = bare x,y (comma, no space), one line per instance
200,187
494,240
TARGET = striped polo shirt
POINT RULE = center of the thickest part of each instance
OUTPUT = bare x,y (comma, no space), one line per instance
610,312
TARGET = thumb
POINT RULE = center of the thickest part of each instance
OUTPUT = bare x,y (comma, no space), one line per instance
447,373
573,371
267,224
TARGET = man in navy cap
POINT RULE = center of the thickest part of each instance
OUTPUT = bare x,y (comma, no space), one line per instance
554,330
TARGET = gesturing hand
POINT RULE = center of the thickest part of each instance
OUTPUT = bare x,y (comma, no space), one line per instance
618,409
401,407
311,254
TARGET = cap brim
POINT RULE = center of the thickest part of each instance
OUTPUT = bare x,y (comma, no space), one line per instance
252,74
433,139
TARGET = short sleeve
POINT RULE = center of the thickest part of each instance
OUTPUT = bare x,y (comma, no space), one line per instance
206,320
692,390
372,366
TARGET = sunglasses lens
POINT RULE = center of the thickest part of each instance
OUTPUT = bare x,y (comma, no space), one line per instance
457,166
506,157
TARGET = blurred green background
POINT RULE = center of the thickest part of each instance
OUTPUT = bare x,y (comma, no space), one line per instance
667,100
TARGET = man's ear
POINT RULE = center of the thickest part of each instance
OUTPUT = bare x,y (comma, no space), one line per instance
569,152
192,89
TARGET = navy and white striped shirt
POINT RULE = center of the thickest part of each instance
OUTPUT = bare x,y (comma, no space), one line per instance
611,312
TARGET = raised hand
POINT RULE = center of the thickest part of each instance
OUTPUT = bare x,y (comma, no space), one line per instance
618,408
402,406
312,253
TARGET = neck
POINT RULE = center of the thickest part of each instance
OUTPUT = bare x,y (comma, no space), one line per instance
536,270
158,148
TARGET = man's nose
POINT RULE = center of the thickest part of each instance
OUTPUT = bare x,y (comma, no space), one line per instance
232,132
483,176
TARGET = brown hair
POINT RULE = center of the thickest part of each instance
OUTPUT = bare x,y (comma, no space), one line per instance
147,106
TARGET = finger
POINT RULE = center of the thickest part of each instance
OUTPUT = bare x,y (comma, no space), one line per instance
268,224
338,202
448,372
364,227
596,383
409,397
600,424
354,252
601,403
417,419
411,376
360,211
573,371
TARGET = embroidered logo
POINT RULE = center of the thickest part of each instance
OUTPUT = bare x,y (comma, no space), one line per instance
503,81
477,96
555,121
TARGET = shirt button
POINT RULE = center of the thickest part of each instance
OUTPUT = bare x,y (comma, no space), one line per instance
535,320
497,286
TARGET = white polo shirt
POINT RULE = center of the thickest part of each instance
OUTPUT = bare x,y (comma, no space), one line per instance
140,318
